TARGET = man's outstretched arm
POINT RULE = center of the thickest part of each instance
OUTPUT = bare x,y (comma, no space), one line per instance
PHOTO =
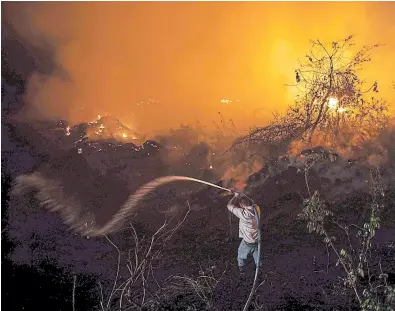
237,211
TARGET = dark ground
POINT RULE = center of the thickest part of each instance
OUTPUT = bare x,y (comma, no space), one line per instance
37,280
46,256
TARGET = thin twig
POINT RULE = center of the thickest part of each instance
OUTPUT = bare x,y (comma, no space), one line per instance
117,274
101,297
74,285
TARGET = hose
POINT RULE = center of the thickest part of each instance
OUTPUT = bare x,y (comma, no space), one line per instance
53,200
49,197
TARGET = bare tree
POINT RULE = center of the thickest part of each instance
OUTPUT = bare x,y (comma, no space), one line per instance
333,102
136,291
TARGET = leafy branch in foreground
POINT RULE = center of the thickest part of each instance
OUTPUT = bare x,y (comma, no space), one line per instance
356,261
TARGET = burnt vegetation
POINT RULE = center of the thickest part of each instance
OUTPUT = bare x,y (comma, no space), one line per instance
327,217
333,104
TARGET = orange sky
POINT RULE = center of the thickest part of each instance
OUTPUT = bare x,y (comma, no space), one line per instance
189,56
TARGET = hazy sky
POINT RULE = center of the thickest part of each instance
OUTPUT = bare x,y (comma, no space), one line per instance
189,56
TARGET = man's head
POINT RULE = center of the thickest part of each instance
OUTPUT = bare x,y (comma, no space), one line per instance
245,203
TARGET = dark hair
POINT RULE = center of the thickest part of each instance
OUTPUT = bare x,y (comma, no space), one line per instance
245,201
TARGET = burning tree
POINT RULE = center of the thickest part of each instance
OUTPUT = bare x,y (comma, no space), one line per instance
334,105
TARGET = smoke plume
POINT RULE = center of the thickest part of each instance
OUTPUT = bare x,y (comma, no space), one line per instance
158,65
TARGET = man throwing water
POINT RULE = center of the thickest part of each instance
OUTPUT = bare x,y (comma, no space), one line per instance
242,208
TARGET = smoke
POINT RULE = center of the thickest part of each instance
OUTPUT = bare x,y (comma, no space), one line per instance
236,177
159,65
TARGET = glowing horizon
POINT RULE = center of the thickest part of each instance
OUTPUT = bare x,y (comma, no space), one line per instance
159,65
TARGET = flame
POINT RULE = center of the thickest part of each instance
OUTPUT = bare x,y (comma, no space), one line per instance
226,101
332,103
95,121
240,185
124,135
68,131
270,57
236,177
349,143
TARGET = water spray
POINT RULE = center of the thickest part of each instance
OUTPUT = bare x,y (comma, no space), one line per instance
48,198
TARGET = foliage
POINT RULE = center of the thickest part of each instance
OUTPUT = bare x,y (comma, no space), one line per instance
372,302
355,260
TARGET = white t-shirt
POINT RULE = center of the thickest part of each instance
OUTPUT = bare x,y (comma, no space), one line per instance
247,224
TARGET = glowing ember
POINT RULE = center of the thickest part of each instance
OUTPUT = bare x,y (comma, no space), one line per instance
226,101
240,185
95,121
211,167
333,102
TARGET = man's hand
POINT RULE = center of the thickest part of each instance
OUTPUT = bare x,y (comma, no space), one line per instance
238,194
